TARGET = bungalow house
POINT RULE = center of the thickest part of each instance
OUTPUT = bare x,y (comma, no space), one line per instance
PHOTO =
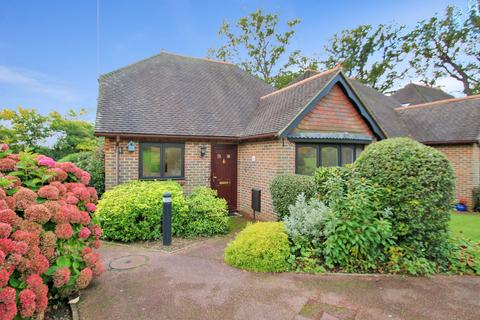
208,123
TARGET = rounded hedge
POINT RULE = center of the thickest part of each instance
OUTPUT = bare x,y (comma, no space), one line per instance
260,247
133,211
418,183
286,188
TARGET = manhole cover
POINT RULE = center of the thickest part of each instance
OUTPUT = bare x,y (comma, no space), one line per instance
129,262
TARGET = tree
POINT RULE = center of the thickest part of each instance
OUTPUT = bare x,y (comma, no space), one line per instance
24,128
370,54
73,134
447,46
297,65
256,45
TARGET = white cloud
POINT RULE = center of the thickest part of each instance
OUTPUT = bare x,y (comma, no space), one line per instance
42,84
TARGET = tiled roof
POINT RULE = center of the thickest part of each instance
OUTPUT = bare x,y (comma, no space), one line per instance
169,94
452,120
413,94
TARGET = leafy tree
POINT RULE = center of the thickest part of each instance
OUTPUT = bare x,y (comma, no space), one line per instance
73,134
24,128
297,65
256,44
370,54
447,46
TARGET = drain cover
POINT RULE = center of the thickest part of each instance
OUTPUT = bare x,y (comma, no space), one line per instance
129,262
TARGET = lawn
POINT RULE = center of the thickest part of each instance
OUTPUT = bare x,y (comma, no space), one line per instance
466,225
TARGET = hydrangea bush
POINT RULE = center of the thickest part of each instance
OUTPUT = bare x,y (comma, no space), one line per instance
47,236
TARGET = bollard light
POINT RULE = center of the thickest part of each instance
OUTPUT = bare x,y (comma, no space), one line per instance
167,219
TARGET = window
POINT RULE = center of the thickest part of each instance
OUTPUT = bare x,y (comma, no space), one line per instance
311,156
161,160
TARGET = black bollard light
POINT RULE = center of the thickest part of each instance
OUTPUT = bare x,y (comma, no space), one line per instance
167,219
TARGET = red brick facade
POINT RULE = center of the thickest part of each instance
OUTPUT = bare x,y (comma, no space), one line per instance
334,113
465,160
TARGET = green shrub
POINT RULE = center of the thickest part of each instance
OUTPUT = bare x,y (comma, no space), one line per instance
207,216
464,257
418,186
285,189
476,199
133,211
401,262
323,177
93,163
305,222
261,247
357,232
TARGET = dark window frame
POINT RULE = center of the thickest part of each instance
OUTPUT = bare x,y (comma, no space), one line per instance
319,146
162,146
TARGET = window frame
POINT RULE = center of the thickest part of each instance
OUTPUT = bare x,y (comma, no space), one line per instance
319,146
162,146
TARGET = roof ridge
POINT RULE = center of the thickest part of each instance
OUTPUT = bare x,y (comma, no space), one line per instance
318,75
106,75
433,103
426,86
197,58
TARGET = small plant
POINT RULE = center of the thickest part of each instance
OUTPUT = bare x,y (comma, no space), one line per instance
207,216
401,262
306,221
133,211
285,189
260,247
464,257
476,199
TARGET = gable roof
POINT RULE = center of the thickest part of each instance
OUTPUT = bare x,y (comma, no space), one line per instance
169,94
448,121
413,94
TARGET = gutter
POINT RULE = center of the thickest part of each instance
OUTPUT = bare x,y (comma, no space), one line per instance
184,137
450,142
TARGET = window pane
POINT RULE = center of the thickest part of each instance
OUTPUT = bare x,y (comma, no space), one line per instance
329,157
151,161
173,161
306,160
347,155
358,150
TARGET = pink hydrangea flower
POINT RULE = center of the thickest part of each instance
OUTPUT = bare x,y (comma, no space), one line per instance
62,214
4,147
4,277
58,174
91,207
24,198
9,216
93,194
45,161
2,257
64,231
5,229
34,281
38,213
84,233
85,178
84,278
20,247
49,192
71,199
96,231
27,303
3,194
7,164
61,277
8,307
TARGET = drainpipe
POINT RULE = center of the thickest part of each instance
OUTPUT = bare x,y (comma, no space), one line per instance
117,161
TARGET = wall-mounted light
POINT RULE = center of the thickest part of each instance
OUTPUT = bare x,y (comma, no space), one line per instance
203,150
131,146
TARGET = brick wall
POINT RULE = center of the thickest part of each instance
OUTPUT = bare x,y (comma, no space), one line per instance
197,169
334,113
465,160
271,158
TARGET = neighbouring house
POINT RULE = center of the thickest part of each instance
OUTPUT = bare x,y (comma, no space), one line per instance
208,123
414,93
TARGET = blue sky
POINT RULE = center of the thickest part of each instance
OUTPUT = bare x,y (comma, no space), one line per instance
48,49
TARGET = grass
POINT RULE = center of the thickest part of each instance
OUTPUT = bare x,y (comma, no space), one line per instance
466,225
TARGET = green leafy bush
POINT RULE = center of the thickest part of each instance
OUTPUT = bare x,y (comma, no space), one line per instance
305,222
357,232
133,211
464,257
285,189
93,163
261,247
476,199
207,216
401,262
418,186
323,178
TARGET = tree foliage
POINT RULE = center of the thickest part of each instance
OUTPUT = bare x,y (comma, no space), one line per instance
369,54
447,46
256,44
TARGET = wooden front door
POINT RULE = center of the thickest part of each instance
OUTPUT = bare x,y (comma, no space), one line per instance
224,173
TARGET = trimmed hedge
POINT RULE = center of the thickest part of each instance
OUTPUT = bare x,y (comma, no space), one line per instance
133,211
260,247
418,183
476,199
286,188
208,214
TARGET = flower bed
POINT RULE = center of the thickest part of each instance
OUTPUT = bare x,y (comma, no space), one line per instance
47,235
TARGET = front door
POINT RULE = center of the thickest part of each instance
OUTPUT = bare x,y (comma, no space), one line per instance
224,173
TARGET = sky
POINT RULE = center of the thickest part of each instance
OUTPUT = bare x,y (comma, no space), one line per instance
51,52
